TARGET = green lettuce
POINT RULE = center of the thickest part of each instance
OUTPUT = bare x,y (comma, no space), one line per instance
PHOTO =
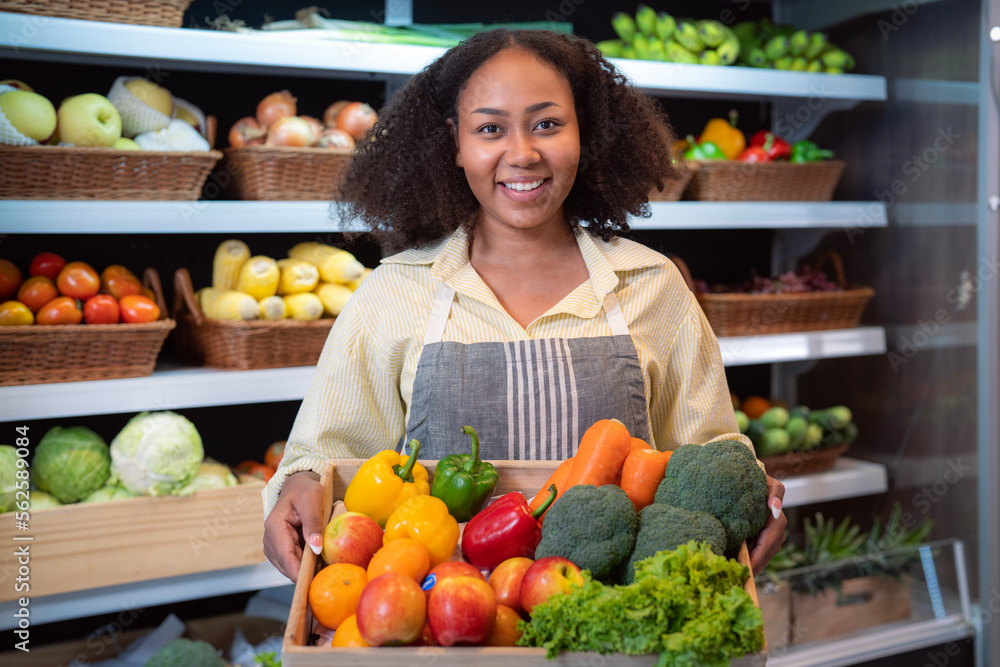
70,463
8,477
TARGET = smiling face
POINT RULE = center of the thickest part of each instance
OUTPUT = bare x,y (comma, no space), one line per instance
518,141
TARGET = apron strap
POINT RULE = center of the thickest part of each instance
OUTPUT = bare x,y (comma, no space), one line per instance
439,314
613,311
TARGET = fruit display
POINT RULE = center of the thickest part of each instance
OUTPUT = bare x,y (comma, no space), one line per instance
805,279
135,114
775,429
722,140
57,292
314,281
652,35
277,122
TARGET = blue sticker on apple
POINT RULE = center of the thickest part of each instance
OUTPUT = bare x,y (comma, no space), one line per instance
429,582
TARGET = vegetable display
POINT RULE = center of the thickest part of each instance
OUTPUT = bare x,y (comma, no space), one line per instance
665,527
157,453
777,431
70,463
463,481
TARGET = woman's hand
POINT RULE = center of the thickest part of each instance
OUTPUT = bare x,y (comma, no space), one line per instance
296,514
769,540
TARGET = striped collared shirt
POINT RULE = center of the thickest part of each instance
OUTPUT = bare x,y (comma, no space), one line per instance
359,398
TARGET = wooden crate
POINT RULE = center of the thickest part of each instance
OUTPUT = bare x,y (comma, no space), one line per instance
861,604
90,545
524,476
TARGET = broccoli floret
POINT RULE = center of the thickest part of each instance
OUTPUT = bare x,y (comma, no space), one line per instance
723,479
666,527
186,653
593,526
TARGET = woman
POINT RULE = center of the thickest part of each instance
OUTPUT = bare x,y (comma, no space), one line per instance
503,311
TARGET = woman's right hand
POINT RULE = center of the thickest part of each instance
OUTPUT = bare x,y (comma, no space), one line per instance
294,522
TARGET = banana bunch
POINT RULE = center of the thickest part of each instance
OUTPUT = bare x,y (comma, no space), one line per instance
764,44
652,35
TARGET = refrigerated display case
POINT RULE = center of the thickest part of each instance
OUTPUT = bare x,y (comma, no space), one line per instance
915,216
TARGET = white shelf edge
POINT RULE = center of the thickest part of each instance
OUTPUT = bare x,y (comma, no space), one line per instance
208,217
213,50
934,214
874,645
804,346
143,594
848,478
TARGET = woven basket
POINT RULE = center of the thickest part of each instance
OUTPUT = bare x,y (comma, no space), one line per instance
67,172
167,13
287,173
243,345
738,314
40,354
673,189
731,180
803,463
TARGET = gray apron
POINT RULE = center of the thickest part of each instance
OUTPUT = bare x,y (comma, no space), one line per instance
527,399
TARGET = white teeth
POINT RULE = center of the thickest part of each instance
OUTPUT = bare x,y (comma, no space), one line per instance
523,187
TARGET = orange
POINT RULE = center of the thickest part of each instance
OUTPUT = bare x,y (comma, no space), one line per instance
335,591
403,555
755,406
347,634
505,632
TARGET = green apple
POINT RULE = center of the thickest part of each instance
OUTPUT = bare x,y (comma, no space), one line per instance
31,114
126,144
14,83
151,94
89,120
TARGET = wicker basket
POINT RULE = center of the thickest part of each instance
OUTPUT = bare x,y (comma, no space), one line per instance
286,173
167,13
242,345
738,314
40,354
66,172
803,463
673,189
731,180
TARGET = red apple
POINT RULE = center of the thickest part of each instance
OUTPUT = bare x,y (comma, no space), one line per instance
449,568
505,580
392,610
505,632
546,577
351,537
461,610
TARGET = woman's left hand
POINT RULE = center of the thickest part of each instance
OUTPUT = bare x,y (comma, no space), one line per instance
769,540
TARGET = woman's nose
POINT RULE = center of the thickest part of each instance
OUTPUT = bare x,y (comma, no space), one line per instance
521,151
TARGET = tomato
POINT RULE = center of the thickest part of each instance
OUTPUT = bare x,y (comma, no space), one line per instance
78,280
138,309
37,291
46,264
118,281
101,309
10,279
272,457
255,469
15,313
60,310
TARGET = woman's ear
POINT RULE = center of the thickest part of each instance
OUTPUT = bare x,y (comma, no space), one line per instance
453,127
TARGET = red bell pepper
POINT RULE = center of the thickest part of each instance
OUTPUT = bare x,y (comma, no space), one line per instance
504,529
778,149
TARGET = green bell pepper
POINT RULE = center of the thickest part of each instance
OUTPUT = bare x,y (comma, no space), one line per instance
808,151
706,150
463,481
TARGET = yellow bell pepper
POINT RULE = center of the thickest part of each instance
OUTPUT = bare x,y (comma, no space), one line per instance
724,134
386,481
426,520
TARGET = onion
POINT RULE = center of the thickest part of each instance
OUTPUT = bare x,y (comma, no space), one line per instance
290,131
356,118
246,132
275,106
335,138
330,115
317,127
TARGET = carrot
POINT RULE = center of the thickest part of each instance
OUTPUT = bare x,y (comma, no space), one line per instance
642,473
558,477
638,443
601,453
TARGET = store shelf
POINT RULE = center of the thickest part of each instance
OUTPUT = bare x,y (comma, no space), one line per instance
847,479
127,598
307,53
934,91
805,346
934,214
207,217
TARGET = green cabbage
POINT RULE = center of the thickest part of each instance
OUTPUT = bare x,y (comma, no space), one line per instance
41,500
157,453
108,492
70,463
8,477
212,475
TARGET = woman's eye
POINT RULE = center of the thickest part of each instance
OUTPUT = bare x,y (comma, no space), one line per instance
547,124
490,128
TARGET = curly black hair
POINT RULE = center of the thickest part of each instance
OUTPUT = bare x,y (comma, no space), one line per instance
404,188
